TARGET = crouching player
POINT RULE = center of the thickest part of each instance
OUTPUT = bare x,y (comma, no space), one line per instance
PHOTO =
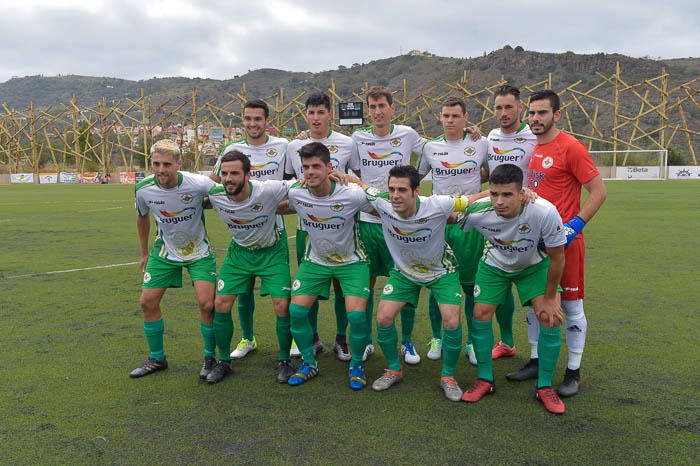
513,232
248,209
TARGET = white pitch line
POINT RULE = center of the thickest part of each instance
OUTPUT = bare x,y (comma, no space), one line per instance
70,270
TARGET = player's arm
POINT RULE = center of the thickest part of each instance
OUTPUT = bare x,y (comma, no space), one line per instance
474,133
283,208
551,306
596,196
143,228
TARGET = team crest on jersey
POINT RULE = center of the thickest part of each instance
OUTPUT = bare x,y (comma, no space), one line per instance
547,162
257,207
146,277
477,291
337,207
421,220
388,289
271,152
523,228
469,150
396,142
520,140
220,285
186,198
296,285
332,149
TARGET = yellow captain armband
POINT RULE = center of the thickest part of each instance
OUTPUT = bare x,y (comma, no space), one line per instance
461,203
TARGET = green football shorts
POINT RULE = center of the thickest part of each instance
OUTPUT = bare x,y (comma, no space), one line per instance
242,265
492,283
164,273
380,261
446,289
468,248
315,280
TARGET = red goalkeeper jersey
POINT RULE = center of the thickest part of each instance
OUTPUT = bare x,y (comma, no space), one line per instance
557,170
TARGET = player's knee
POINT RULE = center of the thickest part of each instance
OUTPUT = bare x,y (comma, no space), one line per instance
281,307
206,305
481,313
356,318
450,321
148,304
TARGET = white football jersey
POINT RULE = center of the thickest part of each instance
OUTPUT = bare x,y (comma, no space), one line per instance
417,243
266,160
178,214
512,242
516,148
377,154
342,148
252,222
331,222
456,165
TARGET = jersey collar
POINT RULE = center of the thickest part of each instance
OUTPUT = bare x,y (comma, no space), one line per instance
267,138
391,131
179,181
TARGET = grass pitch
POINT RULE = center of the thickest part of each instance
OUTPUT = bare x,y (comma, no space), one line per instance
68,341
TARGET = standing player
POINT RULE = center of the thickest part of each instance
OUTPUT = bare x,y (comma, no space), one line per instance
455,161
557,170
267,158
512,142
175,200
380,147
343,152
512,257
257,249
333,251
414,229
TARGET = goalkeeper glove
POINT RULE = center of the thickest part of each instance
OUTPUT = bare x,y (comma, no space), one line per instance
572,228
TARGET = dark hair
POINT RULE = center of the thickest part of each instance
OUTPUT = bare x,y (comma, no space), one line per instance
236,155
507,89
315,149
318,98
547,94
507,173
406,171
376,92
257,103
453,102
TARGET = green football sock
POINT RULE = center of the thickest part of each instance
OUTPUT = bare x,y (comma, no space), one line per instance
451,349
246,308
284,336
482,334
154,337
469,311
358,335
341,315
504,317
301,331
408,321
208,338
435,317
369,313
313,318
223,332
548,347
388,340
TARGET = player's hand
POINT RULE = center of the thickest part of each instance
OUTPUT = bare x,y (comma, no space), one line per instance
474,133
529,196
572,228
340,177
142,263
550,314
302,135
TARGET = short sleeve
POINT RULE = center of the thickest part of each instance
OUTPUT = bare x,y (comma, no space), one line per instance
418,143
423,163
580,164
552,229
354,161
140,204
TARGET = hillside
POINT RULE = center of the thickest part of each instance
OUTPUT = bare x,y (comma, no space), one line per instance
519,67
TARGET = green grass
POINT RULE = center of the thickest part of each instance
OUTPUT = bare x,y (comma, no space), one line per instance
68,341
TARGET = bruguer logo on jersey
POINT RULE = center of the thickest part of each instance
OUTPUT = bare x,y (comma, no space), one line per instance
420,235
266,169
175,217
507,155
513,245
452,169
383,160
323,223
251,224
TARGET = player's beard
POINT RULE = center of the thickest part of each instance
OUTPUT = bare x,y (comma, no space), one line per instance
236,191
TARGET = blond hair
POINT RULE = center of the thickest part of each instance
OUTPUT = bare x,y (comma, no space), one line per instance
166,147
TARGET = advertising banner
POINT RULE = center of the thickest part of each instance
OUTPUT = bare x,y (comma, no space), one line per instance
48,178
88,178
688,172
22,178
139,176
637,173
67,177
127,177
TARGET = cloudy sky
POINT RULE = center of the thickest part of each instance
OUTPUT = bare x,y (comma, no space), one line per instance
221,38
